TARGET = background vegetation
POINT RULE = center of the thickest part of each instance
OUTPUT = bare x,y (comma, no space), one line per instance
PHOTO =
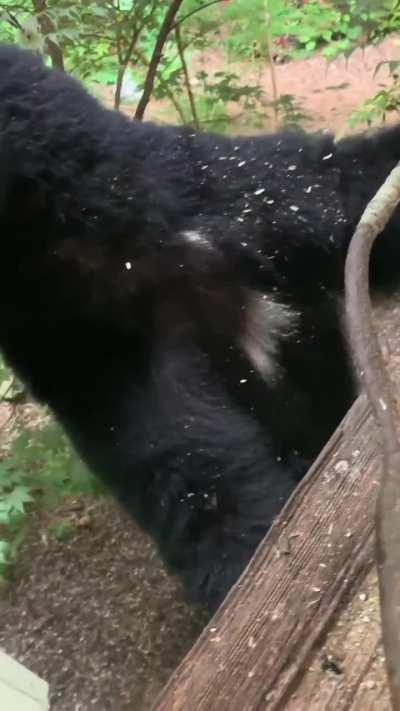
145,50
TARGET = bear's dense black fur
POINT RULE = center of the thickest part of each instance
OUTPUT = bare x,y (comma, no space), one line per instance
175,298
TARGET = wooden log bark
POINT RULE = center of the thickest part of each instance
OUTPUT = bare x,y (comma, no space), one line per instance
349,671
254,651
288,609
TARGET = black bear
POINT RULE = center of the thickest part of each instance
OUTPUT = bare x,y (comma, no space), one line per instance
176,299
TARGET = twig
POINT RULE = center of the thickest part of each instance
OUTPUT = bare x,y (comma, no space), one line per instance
123,65
373,375
186,77
12,19
164,85
47,27
274,82
125,58
163,34
201,7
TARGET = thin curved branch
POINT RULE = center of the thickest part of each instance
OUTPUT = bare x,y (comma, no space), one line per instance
12,19
198,9
47,27
186,77
163,34
377,382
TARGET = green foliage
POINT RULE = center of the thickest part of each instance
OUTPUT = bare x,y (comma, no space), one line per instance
10,387
245,33
379,18
40,469
217,91
334,27
100,42
376,109
290,112
8,33
385,101
324,25
61,530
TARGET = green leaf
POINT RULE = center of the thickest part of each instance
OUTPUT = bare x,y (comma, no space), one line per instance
62,529
4,552
5,518
99,11
16,499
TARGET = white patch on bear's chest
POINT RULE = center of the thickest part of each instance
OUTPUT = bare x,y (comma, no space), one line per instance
267,322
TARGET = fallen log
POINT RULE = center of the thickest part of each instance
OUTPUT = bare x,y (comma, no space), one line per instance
257,648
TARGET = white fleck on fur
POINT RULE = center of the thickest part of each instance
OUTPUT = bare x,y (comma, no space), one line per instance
267,323
195,237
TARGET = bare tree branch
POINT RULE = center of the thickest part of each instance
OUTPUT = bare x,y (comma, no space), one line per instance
186,78
123,65
201,7
274,80
163,34
373,374
47,27
165,86
125,57
12,19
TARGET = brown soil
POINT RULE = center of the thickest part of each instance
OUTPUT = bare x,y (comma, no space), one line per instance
327,92
95,614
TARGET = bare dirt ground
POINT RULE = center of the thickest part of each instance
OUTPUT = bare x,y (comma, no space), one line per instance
328,92
95,614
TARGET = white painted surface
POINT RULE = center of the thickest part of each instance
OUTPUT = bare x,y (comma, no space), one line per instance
20,689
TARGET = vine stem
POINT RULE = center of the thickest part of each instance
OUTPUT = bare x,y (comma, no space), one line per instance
374,376
274,81
163,34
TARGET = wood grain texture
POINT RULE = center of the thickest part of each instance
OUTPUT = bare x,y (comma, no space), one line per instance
255,650
356,681
302,597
